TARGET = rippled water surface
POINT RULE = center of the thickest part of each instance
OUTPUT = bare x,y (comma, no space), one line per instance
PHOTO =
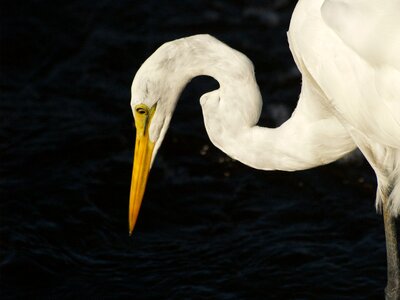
210,227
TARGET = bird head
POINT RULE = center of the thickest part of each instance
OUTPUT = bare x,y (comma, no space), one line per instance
158,84
155,90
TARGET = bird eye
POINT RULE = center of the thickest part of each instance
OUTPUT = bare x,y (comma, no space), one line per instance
141,110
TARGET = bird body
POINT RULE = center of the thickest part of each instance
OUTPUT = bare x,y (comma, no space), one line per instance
359,82
347,53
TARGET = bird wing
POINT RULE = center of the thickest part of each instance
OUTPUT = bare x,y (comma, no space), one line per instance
370,27
356,69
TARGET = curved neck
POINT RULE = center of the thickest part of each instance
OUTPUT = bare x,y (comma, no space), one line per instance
204,55
232,112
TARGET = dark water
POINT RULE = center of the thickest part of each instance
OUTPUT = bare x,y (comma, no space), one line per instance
209,228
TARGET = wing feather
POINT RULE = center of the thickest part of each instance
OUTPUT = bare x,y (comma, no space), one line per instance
370,27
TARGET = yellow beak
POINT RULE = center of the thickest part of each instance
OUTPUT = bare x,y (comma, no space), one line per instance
141,161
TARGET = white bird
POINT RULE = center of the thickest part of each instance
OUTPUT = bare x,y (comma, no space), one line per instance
348,52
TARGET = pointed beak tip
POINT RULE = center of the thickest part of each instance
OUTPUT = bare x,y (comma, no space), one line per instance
131,228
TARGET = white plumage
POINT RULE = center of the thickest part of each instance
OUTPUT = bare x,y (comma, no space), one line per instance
348,52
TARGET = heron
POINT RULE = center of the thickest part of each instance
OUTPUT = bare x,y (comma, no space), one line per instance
347,52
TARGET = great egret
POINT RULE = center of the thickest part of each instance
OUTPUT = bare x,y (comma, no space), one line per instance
348,54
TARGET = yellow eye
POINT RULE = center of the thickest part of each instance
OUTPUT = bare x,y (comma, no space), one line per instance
141,110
